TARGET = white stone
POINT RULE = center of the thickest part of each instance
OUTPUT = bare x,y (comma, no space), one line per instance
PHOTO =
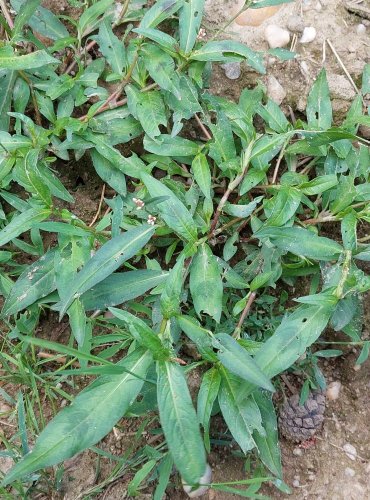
296,483
205,479
309,35
275,91
349,472
232,70
350,451
276,36
333,390
297,452
361,29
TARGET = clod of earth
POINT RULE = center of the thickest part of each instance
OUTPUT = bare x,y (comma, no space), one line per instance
300,422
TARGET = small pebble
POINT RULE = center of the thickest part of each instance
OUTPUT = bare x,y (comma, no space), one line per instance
276,36
297,452
350,451
275,91
205,479
361,29
318,7
349,472
312,477
232,70
309,35
295,23
296,483
333,390
357,368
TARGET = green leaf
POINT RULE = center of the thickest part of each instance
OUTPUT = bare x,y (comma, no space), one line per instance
173,211
202,174
164,471
77,321
199,335
318,185
258,4
111,47
273,116
121,287
206,284
143,334
179,422
25,13
37,187
236,359
161,68
296,332
151,112
165,41
301,242
109,173
87,420
240,414
206,397
141,474
365,89
161,10
53,183
260,280
37,281
43,21
252,179
106,260
170,298
242,210
87,20
349,231
284,206
22,223
319,110
190,19
7,79
29,61
229,50
268,444
165,145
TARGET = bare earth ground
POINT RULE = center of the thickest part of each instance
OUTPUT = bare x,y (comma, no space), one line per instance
323,471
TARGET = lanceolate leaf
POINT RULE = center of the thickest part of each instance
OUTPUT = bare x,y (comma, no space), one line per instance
301,242
229,50
160,11
28,61
206,283
22,223
35,282
7,79
206,397
121,287
172,210
319,110
241,415
189,22
111,47
268,444
179,422
106,260
295,333
88,419
284,206
236,359
151,112
202,174
165,145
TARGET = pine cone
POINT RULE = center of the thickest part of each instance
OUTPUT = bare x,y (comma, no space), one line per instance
299,423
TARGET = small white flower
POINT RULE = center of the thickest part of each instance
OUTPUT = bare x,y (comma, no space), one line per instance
201,34
139,203
151,220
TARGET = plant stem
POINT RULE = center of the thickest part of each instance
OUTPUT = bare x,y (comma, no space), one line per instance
6,13
201,125
345,271
244,314
233,185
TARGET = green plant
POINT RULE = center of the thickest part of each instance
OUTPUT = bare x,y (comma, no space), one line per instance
202,225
